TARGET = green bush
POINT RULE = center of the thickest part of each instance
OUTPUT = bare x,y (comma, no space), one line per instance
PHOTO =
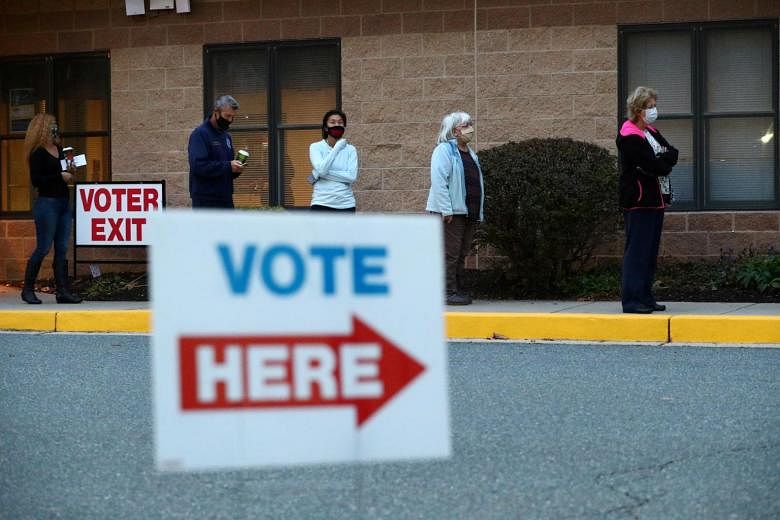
760,272
548,204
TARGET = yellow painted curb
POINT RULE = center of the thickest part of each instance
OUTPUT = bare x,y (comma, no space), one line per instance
725,329
586,327
28,320
104,321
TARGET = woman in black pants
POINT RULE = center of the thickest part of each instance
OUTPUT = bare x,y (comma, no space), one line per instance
646,160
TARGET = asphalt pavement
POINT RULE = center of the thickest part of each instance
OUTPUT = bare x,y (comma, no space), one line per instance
538,431
682,322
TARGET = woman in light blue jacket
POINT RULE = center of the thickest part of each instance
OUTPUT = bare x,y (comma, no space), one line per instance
457,194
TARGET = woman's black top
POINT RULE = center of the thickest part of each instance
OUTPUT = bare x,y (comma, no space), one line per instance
46,174
473,186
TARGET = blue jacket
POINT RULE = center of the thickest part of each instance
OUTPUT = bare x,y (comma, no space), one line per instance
210,151
448,181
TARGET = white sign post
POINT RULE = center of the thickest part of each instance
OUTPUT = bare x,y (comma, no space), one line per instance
300,338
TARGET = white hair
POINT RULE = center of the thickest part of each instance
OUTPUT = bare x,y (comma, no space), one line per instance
449,123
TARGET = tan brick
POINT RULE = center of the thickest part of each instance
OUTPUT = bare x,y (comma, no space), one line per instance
604,127
370,179
685,10
406,179
595,60
145,79
260,30
393,46
601,13
426,66
552,61
301,28
711,221
75,41
639,11
728,243
394,6
504,63
766,241
148,36
402,89
572,38
114,38
514,85
365,47
164,57
382,24
381,68
385,111
534,39
683,244
720,9
380,201
459,65
551,15
675,222
339,25
423,22
604,36
13,247
458,21
241,10
279,9
439,44
362,90
757,221
492,41
183,77
448,88
184,34
506,18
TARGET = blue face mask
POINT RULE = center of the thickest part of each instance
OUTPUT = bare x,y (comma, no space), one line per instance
651,114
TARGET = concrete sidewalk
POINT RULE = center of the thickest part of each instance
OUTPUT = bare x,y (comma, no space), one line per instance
683,322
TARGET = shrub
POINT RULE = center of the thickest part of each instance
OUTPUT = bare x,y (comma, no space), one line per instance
760,272
548,204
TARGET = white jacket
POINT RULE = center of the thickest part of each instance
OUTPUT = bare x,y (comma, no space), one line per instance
334,170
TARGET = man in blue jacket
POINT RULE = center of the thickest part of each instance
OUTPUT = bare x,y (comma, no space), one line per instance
212,161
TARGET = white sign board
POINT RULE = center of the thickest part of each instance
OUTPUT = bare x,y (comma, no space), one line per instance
297,338
116,213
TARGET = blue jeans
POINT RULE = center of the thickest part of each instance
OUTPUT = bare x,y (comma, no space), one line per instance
53,221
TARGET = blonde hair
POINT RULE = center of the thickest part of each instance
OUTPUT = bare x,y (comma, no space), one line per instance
38,133
449,123
637,100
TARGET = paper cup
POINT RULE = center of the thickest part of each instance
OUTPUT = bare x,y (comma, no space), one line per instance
242,156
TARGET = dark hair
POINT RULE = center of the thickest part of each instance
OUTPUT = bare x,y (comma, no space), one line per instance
325,120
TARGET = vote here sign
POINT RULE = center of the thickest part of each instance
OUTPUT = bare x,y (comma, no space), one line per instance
297,338
116,213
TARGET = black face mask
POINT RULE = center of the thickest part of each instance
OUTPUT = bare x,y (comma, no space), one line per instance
55,132
335,131
222,123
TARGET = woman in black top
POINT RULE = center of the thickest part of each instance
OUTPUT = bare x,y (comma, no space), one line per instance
53,218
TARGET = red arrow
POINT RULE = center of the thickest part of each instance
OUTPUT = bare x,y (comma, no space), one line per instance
363,369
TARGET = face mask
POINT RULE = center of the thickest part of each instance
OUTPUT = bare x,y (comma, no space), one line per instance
55,132
222,123
335,131
651,114
467,133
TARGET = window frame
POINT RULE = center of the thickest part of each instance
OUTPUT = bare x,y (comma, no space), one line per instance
700,120
49,62
275,127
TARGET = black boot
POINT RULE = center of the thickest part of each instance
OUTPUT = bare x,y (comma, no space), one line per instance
30,274
61,281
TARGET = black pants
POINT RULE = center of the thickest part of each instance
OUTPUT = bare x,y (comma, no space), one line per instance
458,236
640,257
210,203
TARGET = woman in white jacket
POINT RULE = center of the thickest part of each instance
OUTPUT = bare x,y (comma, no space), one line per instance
457,194
334,166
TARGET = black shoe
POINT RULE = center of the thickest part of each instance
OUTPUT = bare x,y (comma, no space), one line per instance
659,307
458,299
639,309
28,295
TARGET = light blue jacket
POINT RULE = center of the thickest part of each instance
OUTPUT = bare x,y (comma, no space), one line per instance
448,181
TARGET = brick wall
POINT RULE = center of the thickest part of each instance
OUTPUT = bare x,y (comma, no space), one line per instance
537,69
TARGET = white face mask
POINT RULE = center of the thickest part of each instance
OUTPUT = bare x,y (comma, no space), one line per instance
467,133
651,114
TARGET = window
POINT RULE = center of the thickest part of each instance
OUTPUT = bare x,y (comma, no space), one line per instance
717,84
75,88
284,89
